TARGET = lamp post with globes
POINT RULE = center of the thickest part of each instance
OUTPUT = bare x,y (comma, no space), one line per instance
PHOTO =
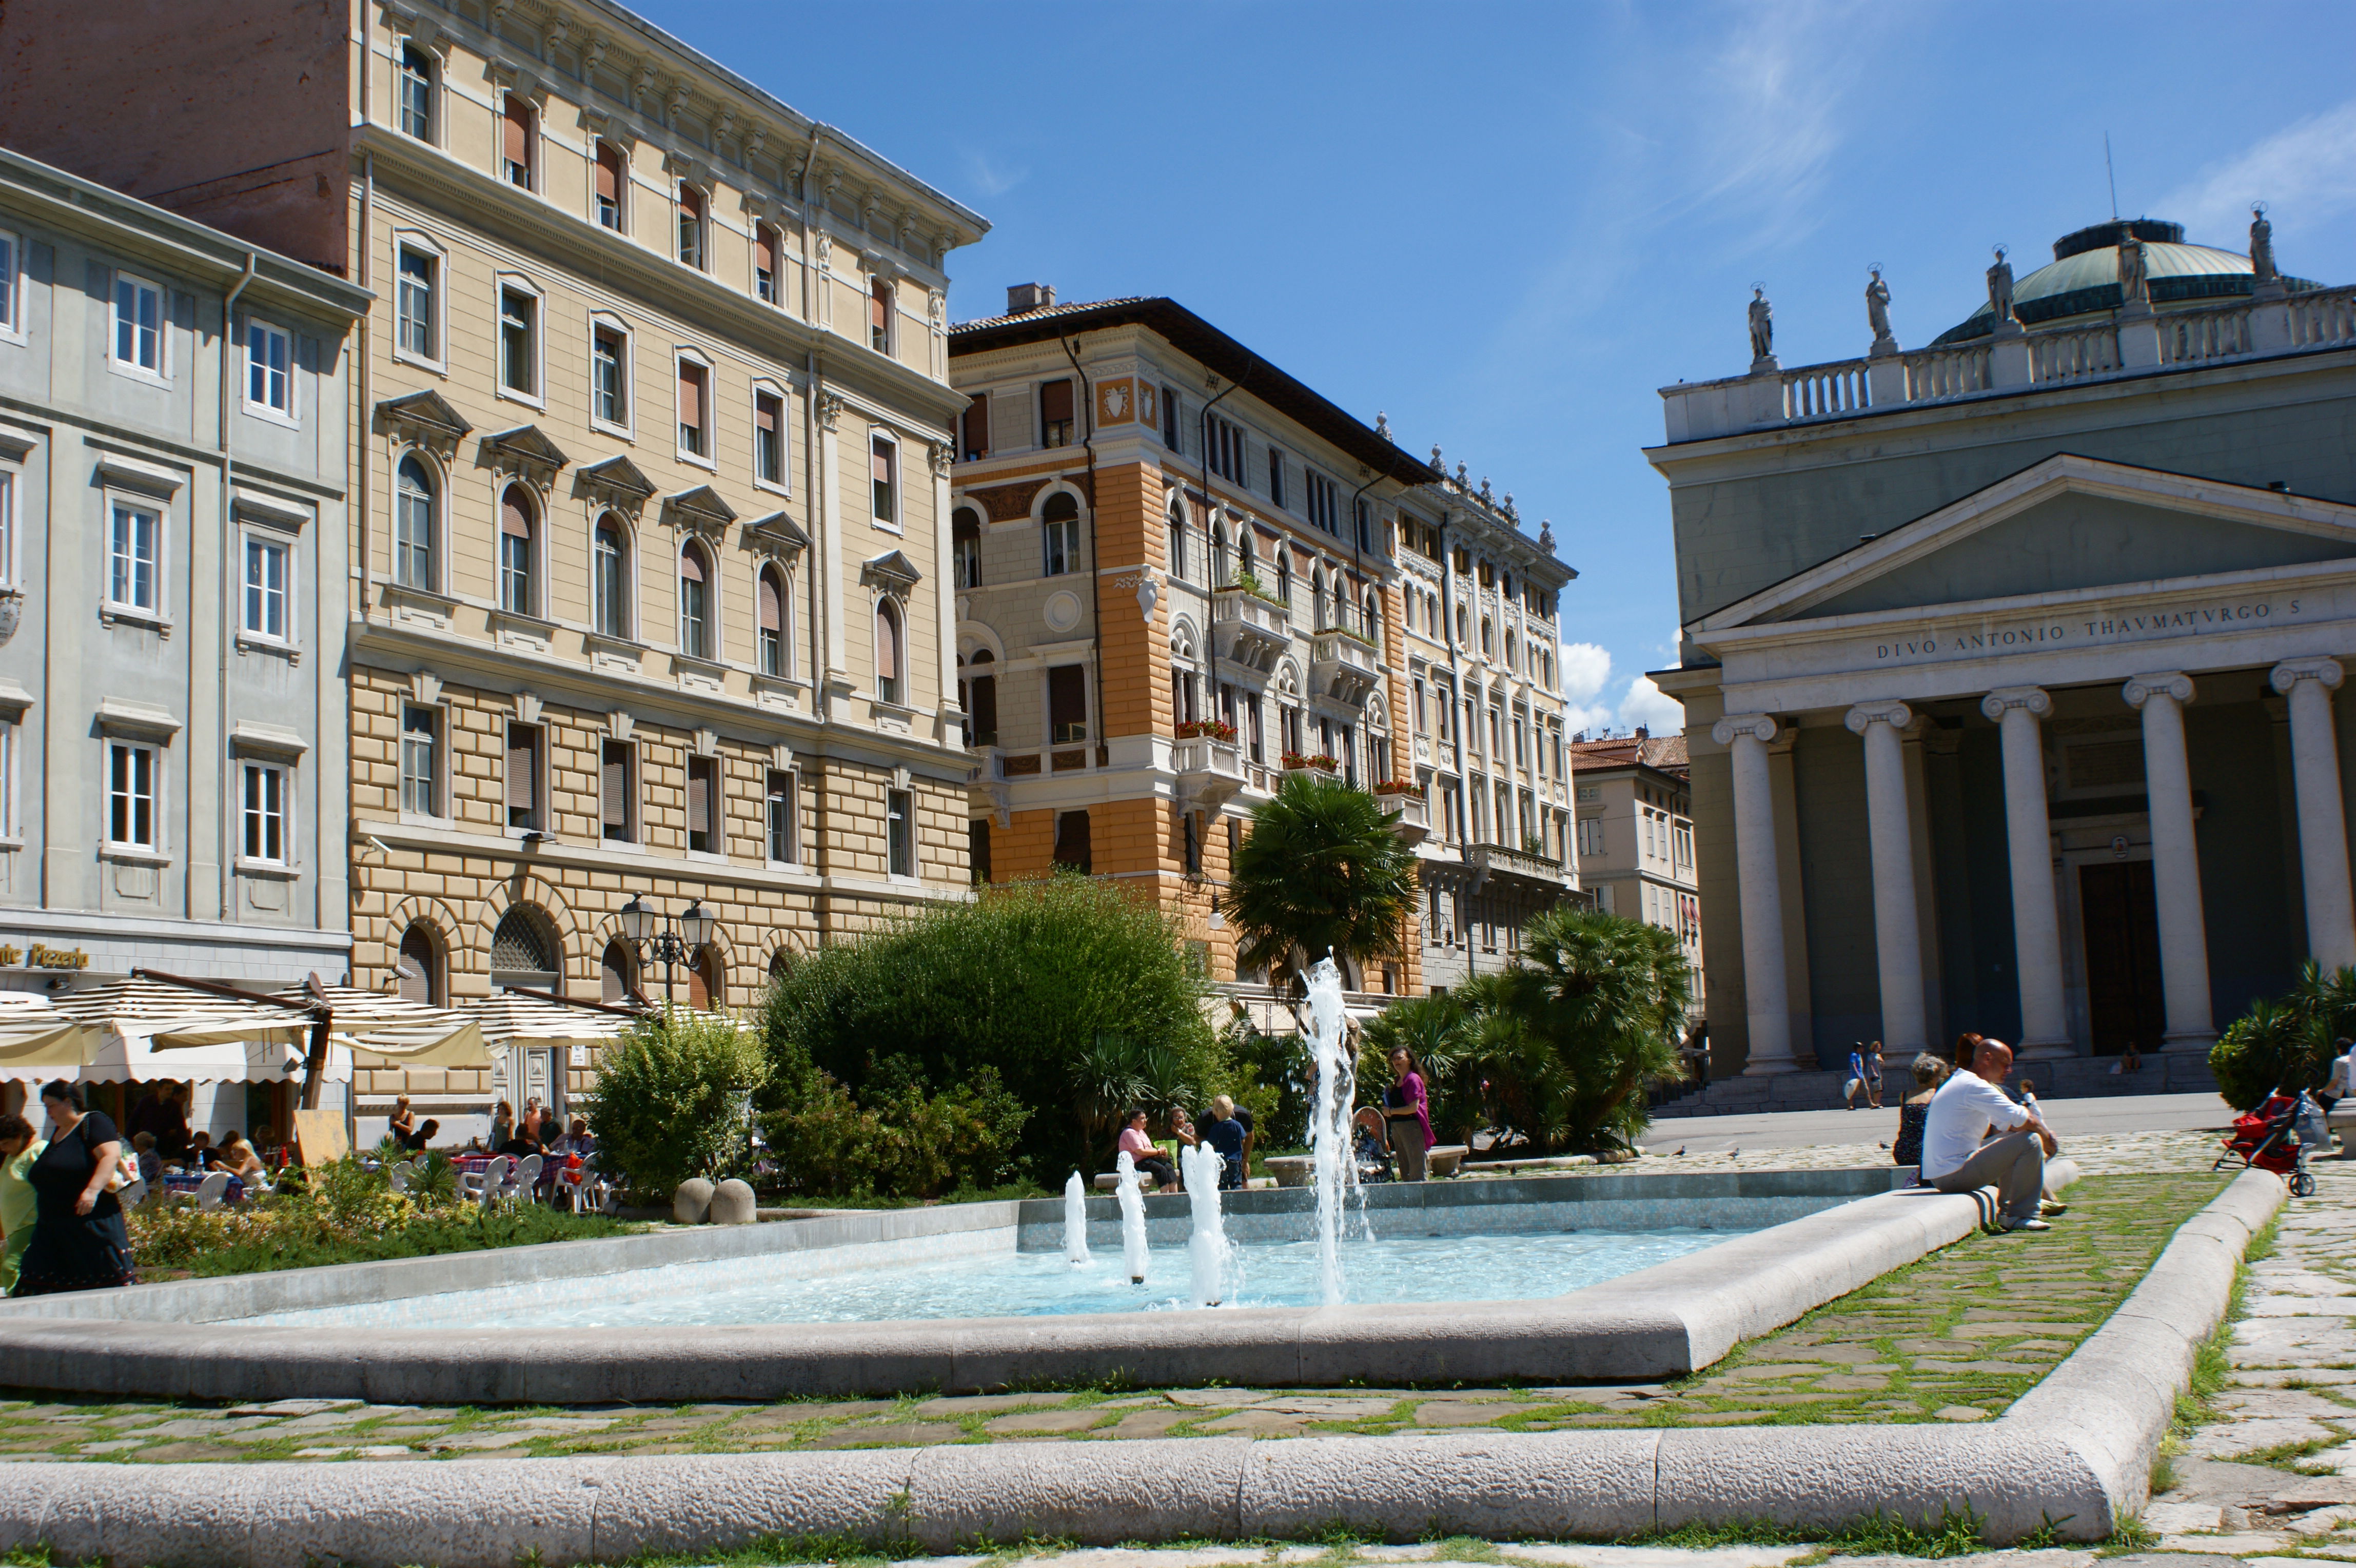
678,944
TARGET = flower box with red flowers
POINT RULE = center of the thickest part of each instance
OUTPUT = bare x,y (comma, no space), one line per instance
1207,729
1301,762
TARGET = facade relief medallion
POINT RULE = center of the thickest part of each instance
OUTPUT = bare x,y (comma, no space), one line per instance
1062,610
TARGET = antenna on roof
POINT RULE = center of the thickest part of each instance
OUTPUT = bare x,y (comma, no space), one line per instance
2112,170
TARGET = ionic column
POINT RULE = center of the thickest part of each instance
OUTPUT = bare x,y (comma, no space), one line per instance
2322,822
2175,859
1897,930
2029,841
1760,900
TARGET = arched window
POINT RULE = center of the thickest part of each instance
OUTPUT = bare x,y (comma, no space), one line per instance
1060,536
419,967
611,569
524,951
1462,639
977,695
1284,575
1245,560
416,93
781,963
1513,650
694,602
516,529
773,621
617,974
1219,555
1316,599
1177,538
705,991
1488,637
1373,627
890,655
412,545
965,542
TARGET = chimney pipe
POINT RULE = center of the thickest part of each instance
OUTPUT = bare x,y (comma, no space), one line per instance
1024,297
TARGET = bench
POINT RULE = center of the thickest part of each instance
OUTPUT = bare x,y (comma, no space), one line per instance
1442,1160
1110,1181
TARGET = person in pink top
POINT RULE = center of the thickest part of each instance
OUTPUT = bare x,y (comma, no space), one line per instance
1148,1157
1406,1113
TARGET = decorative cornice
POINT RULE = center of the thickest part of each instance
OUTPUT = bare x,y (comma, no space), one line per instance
892,572
616,482
699,510
427,418
778,531
525,451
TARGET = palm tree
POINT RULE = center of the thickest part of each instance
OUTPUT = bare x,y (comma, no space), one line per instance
1321,871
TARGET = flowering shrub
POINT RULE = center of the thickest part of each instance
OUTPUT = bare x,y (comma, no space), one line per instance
1398,787
1318,760
1207,729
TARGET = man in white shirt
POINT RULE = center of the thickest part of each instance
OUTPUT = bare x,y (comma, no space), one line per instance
1957,1154
2338,1084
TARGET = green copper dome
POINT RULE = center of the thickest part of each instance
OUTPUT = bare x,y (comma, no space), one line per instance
2084,277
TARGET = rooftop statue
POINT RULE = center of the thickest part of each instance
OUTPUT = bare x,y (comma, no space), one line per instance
1762,325
2135,287
2262,245
1999,281
1877,307
1546,535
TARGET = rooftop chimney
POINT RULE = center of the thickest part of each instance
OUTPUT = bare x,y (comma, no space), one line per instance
1029,296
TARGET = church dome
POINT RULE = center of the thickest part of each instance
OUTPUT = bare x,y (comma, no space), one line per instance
2084,277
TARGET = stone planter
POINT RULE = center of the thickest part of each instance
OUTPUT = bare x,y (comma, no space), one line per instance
1291,1170
1442,1159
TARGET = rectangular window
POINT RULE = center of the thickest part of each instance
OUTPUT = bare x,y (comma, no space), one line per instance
265,588
880,309
784,816
420,770
131,781
519,317
884,459
415,301
974,428
8,777
704,804
977,843
1059,546
523,777
7,527
1366,525
900,829
1224,451
1072,847
609,383
138,325
1068,704
518,139
764,262
262,807
1274,477
1322,509
417,93
769,438
1055,412
611,178
131,545
694,380
1172,437
269,355
617,790
691,226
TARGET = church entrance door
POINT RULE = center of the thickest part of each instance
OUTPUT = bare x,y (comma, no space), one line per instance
2124,1001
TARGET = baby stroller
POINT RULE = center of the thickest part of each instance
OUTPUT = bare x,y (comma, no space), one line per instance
2277,1136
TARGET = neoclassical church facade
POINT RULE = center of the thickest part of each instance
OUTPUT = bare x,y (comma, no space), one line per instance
2014,668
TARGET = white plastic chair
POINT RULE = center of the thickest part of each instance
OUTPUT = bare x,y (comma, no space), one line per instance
525,1181
210,1192
494,1179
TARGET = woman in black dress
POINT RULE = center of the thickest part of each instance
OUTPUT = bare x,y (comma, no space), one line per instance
78,1240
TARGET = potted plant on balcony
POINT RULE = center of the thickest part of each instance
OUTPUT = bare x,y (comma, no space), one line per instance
1248,581
1207,729
1396,787
1316,764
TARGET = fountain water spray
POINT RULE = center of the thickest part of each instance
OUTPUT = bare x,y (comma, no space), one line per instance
1075,1220
1207,1248
1132,1216
1329,1120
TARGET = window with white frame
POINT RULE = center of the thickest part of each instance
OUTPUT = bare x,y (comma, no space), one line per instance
262,801
7,527
1059,543
769,437
768,242
613,184
519,341
775,610
695,582
691,226
617,791
784,816
421,759
134,536
706,824
891,653
882,314
526,778
883,455
263,605
12,290
694,410
8,777
899,816
609,376
412,542
518,141
416,301
138,325
416,93
269,370
610,578
519,552
1323,509
134,779
964,546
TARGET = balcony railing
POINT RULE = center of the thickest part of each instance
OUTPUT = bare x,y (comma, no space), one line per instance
1498,860
2127,344
1342,665
1209,771
1250,630
1414,824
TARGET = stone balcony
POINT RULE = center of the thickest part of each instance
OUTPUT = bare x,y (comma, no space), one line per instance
1342,665
1496,860
1414,824
1210,772
1250,630
2130,343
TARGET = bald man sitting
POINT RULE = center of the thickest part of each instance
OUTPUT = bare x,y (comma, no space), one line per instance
1958,1156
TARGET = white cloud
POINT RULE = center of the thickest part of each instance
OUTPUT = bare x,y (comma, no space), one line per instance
2304,172
1647,704
989,178
1585,667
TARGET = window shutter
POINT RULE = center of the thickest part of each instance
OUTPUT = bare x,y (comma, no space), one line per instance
773,606
610,174
882,459
977,425
690,395
516,131
515,522
764,249
523,773
764,417
699,796
879,305
614,806
887,644
1055,400
691,565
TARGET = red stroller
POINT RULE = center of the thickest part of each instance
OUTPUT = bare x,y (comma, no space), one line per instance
2270,1139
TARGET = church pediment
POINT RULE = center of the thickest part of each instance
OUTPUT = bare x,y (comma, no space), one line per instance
2067,525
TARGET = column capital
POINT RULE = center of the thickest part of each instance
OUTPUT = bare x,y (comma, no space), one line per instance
2291,671
1733,726
2173,683
1888,711
2034,700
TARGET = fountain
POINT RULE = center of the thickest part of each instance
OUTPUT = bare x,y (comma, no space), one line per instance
1334,1092
1075,1220
1132,1217
1208,1249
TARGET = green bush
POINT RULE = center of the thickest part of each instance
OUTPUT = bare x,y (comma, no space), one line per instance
1438,1032
906,1141
2286,1044
1031,981
670,1098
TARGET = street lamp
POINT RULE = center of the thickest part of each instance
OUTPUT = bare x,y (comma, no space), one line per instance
642,928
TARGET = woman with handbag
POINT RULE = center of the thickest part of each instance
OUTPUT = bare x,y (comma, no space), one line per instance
78,1240
1407,1115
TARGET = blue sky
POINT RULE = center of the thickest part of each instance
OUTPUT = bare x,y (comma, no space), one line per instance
1508,225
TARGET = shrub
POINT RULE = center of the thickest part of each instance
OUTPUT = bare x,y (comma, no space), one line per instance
1026,982
670,1098
2286,1044
907,1141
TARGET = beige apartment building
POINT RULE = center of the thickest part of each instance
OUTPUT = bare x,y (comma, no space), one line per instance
651,479
1635,813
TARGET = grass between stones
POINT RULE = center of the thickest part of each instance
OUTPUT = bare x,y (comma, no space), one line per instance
1957,1335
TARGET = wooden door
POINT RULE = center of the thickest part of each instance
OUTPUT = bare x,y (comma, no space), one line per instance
2121,917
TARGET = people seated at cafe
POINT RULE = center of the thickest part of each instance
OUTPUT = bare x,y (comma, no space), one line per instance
151,1163
236,1157
417,1140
